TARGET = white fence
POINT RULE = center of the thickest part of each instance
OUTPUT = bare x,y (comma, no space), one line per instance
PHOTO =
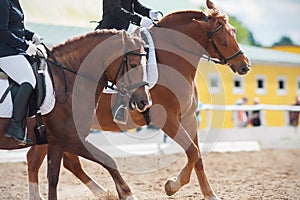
262,107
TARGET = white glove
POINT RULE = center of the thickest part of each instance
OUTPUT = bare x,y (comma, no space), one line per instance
154,14
32,49
36,39
146,22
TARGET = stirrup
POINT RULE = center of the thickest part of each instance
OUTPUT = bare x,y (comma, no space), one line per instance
121,115
25,141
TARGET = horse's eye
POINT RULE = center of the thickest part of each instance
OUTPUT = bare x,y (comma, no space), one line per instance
133,65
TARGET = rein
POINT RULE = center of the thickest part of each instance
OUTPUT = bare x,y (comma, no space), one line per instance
223,60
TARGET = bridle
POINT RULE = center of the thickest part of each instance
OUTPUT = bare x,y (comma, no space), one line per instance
122,70
222,60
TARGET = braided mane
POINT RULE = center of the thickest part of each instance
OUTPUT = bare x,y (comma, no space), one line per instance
68,45
182,17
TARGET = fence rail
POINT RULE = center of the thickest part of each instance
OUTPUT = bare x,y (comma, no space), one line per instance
262,107
250,107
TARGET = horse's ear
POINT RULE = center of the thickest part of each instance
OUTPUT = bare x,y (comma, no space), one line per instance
202,23
137,32
125,38
210,5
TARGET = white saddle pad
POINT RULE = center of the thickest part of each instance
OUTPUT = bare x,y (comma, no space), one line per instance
7,106
151,65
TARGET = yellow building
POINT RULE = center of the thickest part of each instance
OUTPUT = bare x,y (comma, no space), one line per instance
274,79
291,49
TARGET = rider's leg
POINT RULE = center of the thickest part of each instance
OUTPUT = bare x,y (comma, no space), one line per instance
19,70
20,106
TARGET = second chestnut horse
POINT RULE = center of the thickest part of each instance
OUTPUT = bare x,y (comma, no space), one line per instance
181,39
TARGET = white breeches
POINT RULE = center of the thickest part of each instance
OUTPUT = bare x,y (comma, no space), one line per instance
18,69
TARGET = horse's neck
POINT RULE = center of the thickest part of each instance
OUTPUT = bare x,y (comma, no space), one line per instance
88,58
181,17
180,44
183,22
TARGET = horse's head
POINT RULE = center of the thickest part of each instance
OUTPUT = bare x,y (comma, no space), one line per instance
222,40
213,32
130,76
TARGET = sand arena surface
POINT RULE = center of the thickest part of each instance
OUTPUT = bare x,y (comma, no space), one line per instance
267,174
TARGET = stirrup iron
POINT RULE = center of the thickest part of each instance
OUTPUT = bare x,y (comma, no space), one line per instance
121,115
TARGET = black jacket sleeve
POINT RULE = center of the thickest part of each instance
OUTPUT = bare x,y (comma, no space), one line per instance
6,35
140,9
118,12
28,34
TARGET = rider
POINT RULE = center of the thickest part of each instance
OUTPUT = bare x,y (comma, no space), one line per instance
119,14
16,43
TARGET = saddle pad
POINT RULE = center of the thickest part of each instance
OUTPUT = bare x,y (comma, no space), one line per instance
7,106
152,71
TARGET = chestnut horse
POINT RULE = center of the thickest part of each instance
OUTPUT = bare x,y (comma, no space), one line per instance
179,39
85,64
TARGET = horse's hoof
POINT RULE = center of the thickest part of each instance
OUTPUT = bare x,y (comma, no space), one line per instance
132,197
214,197
37,198
172,186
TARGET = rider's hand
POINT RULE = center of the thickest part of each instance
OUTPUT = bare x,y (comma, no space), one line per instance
36,39
32,49
154,14
146,22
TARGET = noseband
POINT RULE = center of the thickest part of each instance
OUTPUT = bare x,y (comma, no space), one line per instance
222,60
123,68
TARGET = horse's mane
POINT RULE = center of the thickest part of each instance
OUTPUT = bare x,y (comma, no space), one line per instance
70,43
183,17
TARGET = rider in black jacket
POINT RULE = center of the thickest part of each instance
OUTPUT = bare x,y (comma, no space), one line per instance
119,14
16,42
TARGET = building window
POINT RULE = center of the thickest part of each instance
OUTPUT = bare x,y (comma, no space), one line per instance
238,85
260,85
281,85
214,83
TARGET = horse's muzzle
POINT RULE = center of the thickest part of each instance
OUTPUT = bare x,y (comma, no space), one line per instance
141,105
241,69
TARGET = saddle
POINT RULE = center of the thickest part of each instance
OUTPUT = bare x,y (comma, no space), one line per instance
39,66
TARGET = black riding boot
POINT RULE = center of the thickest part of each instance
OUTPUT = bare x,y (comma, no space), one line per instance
20,106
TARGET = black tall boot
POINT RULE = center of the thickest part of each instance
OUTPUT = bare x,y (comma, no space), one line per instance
20,106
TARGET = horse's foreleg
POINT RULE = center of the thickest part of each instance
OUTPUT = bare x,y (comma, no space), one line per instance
190,124
90,152
177,132
54,157
72,163
35,157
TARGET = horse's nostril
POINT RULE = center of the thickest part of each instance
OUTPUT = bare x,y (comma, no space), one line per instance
144,102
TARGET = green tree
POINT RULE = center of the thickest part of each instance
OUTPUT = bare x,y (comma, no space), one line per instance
243,34
284,41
